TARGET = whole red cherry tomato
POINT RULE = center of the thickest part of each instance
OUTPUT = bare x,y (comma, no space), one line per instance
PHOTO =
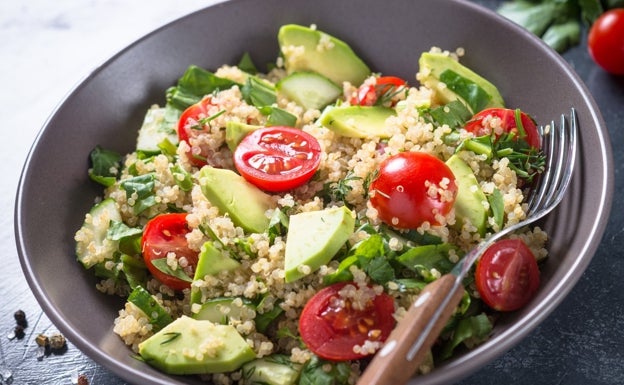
411,188
606,41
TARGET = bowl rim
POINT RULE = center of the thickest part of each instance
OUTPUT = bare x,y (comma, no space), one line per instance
453,370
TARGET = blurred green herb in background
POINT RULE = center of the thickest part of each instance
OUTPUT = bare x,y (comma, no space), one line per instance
557,22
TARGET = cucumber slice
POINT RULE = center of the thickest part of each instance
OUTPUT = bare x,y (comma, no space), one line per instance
276,369
309,89
156,314
92,244
157,126
219,310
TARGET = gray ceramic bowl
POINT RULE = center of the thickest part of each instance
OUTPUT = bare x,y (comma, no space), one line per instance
54,191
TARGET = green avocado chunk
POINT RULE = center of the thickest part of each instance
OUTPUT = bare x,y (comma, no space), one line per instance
469,203
358,121
314,238
190,346
307,49
233,195
211,261
236,131
459,82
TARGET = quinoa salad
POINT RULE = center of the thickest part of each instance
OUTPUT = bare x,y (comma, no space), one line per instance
273,226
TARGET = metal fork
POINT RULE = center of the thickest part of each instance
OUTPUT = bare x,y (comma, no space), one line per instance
408,344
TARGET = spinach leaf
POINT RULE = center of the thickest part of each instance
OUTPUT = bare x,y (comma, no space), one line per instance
161,264
471,331
421,259
143,187
476,97
247,65
105,166
194,84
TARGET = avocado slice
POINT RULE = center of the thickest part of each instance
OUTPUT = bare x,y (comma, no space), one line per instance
358,121
190,346
211,261
309,89
307,49
460,82
314,238
233,195
470,196
236,131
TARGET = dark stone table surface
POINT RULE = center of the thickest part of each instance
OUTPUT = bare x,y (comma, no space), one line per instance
47,47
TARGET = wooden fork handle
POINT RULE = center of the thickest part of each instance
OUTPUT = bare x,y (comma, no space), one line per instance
391,365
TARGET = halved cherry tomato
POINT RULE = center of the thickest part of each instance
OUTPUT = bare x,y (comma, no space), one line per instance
278,158
331,326
507,275
384,87
411,188
192,124
606,41
163,234
508,124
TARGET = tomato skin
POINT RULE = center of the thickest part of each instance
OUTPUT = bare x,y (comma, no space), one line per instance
163,234
400,192
508,123
278,158
605,41
507,275
368,94
331,332
189,126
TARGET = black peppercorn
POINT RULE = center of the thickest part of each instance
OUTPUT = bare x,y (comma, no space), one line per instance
20,318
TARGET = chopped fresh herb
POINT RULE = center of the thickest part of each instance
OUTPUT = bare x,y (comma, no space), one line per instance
338,191
172,336
206,121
